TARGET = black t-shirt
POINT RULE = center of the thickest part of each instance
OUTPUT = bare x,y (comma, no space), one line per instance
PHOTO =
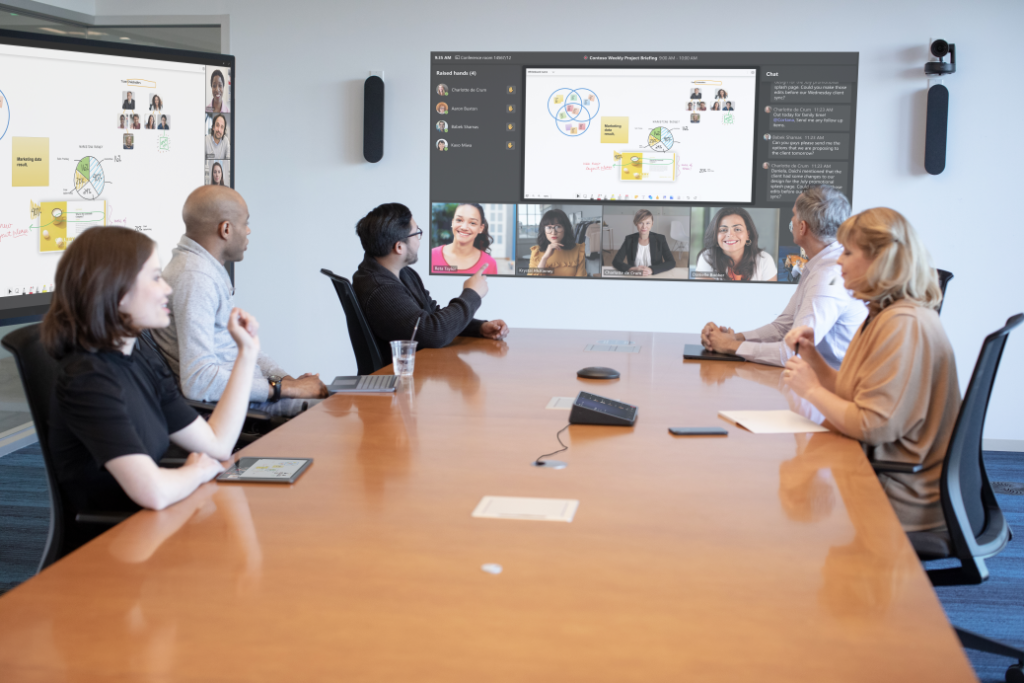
106,405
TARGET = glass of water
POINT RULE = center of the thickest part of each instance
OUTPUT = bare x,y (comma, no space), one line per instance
403,356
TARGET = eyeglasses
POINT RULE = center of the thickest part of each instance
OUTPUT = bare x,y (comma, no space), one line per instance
413,234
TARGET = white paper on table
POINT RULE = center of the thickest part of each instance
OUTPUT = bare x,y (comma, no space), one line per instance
560,403
537,509
771,421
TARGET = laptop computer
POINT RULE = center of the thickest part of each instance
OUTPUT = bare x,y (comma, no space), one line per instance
363,384
698,352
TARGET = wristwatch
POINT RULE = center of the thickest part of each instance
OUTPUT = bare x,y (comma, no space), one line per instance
275,384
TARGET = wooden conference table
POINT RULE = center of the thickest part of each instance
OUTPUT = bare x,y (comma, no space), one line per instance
748,557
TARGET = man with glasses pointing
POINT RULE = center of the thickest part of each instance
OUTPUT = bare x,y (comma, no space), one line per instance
392,294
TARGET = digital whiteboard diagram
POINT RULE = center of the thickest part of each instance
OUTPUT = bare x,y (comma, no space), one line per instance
660,139
89,178
616,130
107,162
573,110
61,222
640,166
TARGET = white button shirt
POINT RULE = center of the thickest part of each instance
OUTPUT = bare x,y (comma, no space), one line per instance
820,302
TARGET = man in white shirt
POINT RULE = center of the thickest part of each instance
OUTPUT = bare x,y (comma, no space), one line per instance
820,300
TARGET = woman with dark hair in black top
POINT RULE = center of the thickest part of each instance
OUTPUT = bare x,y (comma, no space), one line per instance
116,405
731,250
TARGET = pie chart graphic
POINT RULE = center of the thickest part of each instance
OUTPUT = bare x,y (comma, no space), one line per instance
660,139
89,178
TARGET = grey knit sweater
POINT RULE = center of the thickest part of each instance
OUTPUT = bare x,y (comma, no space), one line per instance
197,344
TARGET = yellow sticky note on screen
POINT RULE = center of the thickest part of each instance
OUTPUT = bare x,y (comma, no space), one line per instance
615,129
53,226
30,162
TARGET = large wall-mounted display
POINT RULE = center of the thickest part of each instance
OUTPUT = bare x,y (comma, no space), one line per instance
101,134
560,164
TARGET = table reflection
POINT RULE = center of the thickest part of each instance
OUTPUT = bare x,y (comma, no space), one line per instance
864,576
139,538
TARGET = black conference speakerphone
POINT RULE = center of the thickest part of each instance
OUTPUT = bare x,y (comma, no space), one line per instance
591,409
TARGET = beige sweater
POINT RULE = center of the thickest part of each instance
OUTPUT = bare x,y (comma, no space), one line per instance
900,374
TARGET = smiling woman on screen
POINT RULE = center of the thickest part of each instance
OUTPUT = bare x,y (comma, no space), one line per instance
218,103
467,252
731,251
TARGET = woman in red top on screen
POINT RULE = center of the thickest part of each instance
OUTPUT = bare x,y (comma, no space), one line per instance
467,252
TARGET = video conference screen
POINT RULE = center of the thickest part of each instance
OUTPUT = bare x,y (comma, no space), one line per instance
99,134
679,166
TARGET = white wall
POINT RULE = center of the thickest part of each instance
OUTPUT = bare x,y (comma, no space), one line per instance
83,6
308,186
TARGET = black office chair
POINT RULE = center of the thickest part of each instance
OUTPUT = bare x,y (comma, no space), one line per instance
256,424
976,526
69,528
944,277
364,344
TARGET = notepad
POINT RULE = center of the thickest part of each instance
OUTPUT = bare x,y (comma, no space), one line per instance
536,509
771,421
560,403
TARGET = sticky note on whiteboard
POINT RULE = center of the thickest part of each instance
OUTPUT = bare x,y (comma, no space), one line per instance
615,129
536,509
30,163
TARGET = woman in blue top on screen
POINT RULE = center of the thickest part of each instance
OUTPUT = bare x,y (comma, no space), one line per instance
731,251
116,406
471,242
556,252
644,253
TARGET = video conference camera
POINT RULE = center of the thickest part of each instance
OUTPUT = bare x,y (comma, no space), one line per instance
940,48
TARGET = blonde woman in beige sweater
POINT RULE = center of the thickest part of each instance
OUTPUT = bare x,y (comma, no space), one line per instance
896,390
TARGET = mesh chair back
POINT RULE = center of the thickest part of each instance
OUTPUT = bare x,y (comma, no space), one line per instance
368,356
968,502
944,277
38,372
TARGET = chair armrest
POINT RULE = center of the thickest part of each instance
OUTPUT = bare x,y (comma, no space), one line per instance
108,518
898,467
172,462
208,406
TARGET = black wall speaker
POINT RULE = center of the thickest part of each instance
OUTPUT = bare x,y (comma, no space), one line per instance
373,119
935,130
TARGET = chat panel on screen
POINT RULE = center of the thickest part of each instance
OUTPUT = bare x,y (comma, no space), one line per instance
129,155
630,166
676,134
